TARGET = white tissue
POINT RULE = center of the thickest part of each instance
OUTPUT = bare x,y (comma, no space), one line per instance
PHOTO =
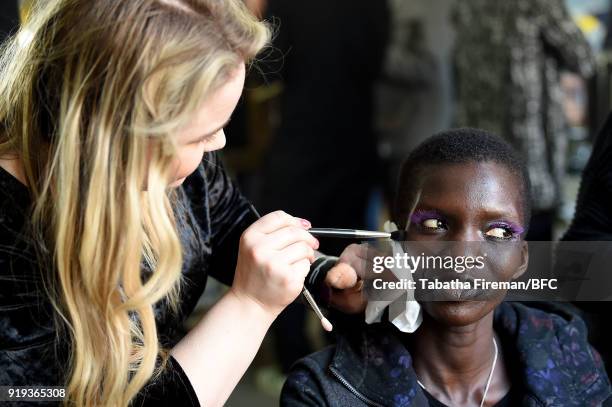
408,310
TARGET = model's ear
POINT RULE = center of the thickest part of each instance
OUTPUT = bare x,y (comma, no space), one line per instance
524,261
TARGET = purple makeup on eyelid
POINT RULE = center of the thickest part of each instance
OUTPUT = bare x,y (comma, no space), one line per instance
513,227
421,215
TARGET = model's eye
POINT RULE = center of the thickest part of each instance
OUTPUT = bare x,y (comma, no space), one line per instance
428,221
432,224
499,233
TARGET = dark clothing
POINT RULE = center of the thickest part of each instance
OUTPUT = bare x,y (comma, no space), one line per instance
541,226
593,216
211,217
544,346
593,221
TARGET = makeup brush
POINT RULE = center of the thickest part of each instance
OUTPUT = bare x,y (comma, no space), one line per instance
324,321
397,235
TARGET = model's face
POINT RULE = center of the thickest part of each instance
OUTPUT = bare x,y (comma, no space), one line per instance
472,202
205,132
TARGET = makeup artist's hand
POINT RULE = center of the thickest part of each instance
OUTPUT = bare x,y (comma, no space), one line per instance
274,258
346,280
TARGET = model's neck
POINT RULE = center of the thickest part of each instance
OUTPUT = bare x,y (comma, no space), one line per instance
454,361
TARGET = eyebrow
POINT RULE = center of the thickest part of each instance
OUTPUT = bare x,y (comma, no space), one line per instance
212,132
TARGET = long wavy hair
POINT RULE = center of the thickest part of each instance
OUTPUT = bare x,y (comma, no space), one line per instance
92,92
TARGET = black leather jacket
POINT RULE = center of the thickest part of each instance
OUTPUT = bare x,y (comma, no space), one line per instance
211,221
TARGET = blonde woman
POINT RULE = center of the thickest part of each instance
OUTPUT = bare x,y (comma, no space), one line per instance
114,207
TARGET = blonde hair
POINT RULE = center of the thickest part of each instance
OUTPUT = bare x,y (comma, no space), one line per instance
91,93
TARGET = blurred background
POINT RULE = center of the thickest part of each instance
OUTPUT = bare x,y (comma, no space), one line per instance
349,87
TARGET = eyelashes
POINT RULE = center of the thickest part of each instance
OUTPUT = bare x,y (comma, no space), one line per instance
205,139
428,221
511,227
434,222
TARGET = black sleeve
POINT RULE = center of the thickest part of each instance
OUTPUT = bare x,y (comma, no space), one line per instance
171,386
593,215
302,388
230,214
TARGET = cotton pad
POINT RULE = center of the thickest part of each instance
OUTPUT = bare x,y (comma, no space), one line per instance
407,311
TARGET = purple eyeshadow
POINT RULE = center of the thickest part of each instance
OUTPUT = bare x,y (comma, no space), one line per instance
512,227
421,215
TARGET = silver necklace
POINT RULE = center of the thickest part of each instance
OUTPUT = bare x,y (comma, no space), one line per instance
484,396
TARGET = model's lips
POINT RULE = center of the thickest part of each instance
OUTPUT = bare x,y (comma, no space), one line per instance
463,295
450,294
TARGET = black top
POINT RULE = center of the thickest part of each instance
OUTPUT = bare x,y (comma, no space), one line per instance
210,222
593,216
593,222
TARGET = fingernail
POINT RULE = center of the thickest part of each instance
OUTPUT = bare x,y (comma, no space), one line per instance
318,244
305,223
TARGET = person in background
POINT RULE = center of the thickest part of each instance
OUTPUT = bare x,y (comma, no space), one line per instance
413,96
508,58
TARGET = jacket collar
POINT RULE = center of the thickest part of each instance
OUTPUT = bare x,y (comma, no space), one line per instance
557,365
378,366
